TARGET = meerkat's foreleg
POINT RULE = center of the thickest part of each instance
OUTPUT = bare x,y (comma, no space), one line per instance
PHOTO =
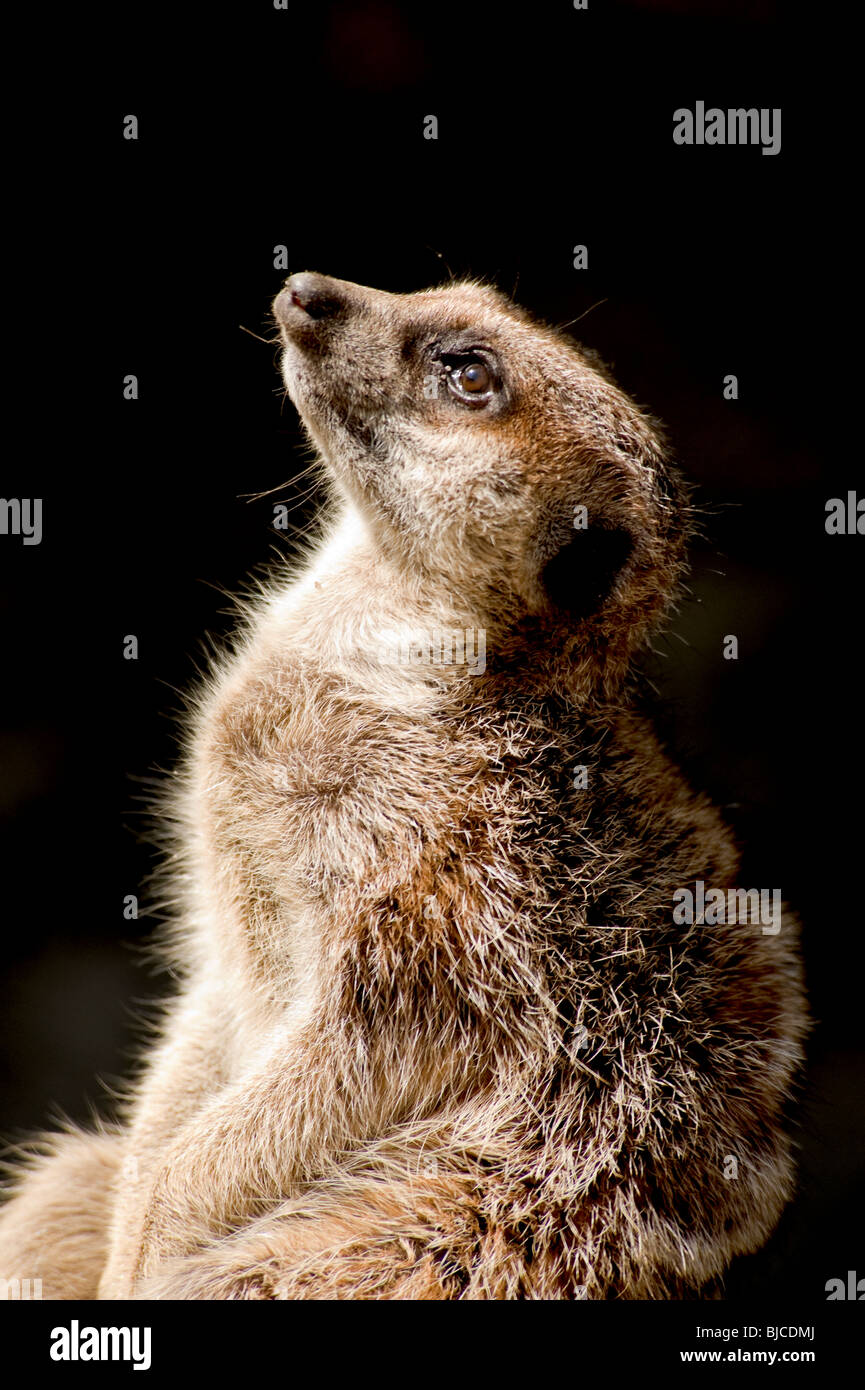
245,1150
54,1227
345,1239
184,1071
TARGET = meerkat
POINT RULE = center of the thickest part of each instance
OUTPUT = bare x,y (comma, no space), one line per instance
440,1034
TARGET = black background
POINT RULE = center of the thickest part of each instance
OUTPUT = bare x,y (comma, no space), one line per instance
260,128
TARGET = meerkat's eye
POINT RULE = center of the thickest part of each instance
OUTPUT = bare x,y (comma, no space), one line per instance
475,377
469,378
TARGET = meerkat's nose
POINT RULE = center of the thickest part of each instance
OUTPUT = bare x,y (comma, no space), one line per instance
316,296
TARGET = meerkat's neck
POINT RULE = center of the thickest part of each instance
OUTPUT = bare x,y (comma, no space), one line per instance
356,612
351,596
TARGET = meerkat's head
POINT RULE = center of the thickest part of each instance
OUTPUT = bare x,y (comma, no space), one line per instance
490,456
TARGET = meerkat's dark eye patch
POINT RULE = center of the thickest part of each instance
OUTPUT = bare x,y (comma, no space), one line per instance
581,575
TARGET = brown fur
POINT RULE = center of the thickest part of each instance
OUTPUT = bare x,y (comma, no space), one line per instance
439,1036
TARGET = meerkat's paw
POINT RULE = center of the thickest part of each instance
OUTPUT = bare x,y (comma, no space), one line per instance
275,1269
54,1224
364,1240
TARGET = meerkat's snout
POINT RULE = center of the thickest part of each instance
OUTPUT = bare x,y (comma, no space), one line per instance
309,298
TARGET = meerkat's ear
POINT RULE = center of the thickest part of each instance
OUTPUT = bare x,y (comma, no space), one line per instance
581,573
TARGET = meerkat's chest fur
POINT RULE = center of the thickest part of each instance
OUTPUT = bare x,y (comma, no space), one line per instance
488,875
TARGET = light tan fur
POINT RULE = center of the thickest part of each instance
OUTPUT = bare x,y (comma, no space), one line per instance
438,1034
